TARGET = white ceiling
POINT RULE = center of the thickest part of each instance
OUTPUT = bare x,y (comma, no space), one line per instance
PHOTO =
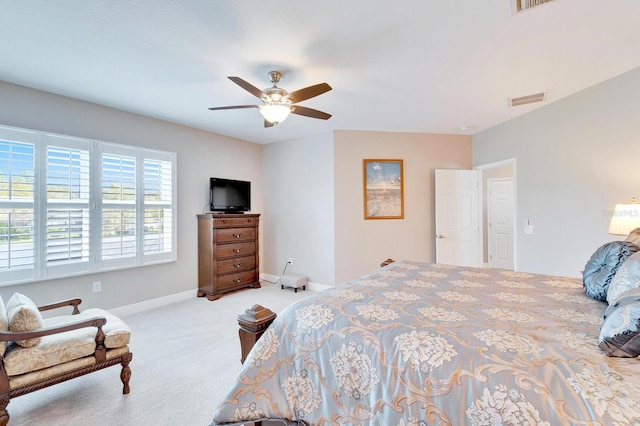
403,66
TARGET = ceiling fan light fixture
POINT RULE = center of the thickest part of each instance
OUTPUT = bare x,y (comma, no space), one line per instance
275,113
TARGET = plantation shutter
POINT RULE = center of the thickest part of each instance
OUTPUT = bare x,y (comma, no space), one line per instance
158,206
17,204
67,223
119,207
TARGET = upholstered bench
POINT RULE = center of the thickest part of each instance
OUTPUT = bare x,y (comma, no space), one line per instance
39,352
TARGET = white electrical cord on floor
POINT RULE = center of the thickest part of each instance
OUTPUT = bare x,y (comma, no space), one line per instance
280,277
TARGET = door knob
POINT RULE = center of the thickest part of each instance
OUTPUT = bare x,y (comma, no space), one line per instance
440,236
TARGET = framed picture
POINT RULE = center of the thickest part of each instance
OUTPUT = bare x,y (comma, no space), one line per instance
383,189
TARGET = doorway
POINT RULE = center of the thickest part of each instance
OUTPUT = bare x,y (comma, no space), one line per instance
496,171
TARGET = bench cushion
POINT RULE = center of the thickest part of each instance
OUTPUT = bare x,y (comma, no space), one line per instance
64,347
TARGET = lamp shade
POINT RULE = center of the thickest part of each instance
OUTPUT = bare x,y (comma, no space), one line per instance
275,113
626,217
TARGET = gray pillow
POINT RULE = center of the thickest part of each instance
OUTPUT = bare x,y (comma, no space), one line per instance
627,277
634,237
620,332
603,265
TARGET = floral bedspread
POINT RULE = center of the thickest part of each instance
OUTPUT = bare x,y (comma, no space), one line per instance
415,343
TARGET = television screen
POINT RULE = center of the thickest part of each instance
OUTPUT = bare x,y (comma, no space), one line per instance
230,196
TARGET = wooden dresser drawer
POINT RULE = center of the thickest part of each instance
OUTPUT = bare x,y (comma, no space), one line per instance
236,264
235,280
230,235
233,222
235,250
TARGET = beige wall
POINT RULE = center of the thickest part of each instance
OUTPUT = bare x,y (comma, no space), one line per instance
576,158
298,219
200,155
362,244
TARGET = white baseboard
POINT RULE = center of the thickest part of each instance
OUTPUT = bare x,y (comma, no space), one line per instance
153,303
269,278
185,295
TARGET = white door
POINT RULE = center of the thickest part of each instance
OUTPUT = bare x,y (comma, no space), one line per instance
500,223
457,217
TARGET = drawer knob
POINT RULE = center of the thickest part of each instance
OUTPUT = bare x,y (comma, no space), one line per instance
237,250
237,235
237,265
237,280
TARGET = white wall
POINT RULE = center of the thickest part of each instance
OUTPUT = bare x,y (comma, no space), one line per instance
200,156
577,158
299,210
361,245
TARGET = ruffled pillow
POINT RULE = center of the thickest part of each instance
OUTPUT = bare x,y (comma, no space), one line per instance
603,265
620,332
23,315
627,277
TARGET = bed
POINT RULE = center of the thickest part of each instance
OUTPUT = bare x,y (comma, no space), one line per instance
415,343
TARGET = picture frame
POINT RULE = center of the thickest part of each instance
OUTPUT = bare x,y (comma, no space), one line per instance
383,189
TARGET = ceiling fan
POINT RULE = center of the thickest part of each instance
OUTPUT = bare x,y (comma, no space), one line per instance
277,103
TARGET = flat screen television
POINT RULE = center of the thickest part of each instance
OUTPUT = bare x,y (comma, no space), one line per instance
229,196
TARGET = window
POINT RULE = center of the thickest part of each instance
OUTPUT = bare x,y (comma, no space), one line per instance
71,206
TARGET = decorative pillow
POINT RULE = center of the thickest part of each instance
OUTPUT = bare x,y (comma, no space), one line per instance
23,315
603,265
634,237
620,332
627,277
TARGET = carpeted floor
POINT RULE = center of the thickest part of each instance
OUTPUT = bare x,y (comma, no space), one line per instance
185,357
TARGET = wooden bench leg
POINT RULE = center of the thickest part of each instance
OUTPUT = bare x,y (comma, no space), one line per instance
125,374
4,414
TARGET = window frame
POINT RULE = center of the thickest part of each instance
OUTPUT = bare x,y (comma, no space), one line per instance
39,269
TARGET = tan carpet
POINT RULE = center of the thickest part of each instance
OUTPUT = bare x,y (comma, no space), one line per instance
185,357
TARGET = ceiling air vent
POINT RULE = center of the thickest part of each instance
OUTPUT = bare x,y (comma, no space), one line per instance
529,99
522,5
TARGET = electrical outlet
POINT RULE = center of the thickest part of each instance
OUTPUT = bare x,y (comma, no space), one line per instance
291,260
97,286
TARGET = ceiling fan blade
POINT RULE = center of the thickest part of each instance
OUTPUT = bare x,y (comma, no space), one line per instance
268,124
309,112
247,86
234,107
308,92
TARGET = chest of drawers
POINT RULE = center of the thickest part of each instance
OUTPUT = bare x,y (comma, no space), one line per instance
227,253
